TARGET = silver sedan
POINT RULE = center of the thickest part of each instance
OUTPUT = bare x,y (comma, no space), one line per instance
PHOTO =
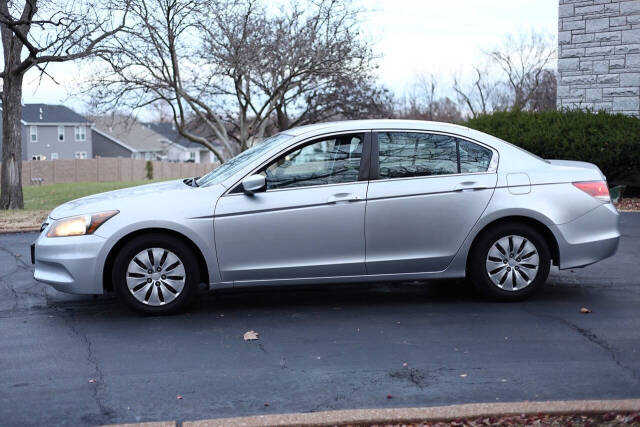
350,201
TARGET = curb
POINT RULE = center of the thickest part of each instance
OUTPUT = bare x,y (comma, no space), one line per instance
414,415
20,230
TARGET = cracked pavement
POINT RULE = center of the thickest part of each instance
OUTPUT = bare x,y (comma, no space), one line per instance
68,359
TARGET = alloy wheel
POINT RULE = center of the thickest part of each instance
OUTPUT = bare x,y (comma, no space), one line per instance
512,263
155,276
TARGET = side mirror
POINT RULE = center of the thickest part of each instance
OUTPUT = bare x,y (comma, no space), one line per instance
253,184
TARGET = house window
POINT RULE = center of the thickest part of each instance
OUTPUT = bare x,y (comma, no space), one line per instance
60,133
34,133
147,156
192,156
80,155
81,133
54,156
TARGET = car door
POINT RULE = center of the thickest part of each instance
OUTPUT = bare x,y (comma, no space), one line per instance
309,223
426,193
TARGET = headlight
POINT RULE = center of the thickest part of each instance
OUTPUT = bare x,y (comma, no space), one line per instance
79,225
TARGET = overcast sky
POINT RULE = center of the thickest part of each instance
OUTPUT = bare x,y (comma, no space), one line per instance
440,37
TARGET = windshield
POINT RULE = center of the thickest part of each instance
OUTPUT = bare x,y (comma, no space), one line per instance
233,165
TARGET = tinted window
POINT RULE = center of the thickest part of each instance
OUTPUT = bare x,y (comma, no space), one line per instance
236,163
406,154
331,160
473,157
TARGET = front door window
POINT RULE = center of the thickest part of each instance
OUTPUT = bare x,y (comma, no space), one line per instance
331,160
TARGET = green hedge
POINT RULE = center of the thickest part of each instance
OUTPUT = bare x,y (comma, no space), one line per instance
611,141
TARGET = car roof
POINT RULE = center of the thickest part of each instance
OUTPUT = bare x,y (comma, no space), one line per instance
346,125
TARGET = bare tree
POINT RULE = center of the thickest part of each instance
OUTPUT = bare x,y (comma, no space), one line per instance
424,103
524,61
237,68
545,95
340,98
517,77
35,34
478,97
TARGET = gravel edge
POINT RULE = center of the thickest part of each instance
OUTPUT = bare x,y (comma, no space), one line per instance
415,415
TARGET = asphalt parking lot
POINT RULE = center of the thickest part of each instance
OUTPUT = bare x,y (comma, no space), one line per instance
78,361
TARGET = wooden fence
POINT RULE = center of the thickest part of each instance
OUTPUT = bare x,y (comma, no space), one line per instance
106,169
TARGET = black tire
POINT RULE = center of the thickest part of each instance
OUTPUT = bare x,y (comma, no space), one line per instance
479,275
156,240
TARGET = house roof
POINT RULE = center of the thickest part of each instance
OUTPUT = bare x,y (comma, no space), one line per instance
130,133
169,131
47,113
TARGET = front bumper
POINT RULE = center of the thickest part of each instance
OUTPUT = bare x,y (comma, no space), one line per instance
69,264
589,238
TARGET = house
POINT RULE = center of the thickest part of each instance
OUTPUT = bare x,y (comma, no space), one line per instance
51,132
182,149
120,136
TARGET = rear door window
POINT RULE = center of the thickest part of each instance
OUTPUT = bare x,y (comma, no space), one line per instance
409,154
416,154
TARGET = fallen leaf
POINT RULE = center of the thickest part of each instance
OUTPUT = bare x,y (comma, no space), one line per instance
92,381
266,404
463,375
405,364
250,335
585,310
179,397
389,396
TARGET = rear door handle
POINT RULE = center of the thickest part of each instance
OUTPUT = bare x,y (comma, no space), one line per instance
343,197
469,186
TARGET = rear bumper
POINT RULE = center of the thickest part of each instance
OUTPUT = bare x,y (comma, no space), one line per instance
589,238
69,264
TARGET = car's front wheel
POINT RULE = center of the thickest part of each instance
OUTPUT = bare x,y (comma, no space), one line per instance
156,274
509,262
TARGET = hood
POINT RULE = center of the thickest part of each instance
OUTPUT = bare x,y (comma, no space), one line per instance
117,199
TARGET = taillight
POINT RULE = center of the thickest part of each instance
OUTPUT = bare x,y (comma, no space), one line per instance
597,189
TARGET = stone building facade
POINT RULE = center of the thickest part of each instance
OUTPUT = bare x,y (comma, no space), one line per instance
599,55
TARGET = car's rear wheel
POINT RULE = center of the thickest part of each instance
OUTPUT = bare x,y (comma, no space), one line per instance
156,274
509,262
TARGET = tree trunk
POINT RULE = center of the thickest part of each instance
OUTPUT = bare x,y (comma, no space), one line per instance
11,190
283,119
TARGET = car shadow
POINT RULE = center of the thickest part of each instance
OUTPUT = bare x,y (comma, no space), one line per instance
311,297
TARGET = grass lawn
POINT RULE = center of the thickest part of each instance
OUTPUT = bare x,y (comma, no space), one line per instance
47,197
40,200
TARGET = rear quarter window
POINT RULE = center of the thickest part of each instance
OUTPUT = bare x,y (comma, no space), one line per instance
473,157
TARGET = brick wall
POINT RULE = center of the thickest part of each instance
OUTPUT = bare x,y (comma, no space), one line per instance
599,55
107,169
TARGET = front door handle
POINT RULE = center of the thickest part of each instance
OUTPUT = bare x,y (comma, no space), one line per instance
343,197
